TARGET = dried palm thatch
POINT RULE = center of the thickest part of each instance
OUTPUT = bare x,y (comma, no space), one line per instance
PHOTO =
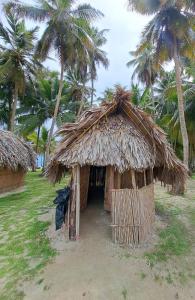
14,153
118,134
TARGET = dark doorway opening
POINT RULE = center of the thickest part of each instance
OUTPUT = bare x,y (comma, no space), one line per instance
96,185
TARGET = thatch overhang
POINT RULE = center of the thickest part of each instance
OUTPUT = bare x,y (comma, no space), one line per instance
15,154
118,134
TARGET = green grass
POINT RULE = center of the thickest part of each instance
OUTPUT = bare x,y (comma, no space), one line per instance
24,245
174,239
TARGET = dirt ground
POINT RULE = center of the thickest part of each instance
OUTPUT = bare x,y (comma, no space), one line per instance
95,268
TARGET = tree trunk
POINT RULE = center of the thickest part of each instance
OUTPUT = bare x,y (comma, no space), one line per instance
153,103
92,90
82,101
9,114
181,108
14,106
55,115
38,136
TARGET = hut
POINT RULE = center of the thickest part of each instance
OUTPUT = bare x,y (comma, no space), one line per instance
116,146
16,157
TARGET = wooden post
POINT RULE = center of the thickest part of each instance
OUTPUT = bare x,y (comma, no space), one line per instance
84,185
77,200
72,231
109,185
74,216
133,179
145,181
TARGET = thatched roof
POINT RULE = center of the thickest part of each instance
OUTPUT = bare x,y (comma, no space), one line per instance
119,134
14,153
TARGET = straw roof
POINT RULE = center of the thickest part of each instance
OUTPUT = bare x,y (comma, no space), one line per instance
119,134
15,153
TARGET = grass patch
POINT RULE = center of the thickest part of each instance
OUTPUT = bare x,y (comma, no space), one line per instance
24,246
174,240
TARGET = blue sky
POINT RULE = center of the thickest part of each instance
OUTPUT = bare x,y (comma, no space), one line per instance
124,32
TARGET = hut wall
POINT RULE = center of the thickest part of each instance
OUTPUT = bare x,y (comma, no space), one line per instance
126,180
84,186
10,181
132,214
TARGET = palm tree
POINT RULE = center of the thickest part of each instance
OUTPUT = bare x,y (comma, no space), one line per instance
41,147
5,104
38,103
145,68
168,114
66,32
152,6
171,33
77,90
17,62
97,55
141,98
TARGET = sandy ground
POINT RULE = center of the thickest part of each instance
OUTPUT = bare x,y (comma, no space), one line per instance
95,268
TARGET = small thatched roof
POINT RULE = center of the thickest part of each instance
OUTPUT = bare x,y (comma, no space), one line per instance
15,153
119,134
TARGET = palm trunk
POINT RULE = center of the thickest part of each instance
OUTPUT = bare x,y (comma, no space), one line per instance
13,109
82,101
37,142
9,114
181,108
92,90
55,115
153,103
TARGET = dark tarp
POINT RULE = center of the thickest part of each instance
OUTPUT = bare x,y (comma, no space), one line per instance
62,205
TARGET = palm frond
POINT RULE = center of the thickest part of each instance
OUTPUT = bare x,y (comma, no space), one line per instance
32,12
87,12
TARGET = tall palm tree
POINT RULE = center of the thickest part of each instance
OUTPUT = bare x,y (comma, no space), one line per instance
145,68
66,32
171,33
97,56
17,62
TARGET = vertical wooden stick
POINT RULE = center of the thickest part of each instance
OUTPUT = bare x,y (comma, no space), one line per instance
77,201
133,179
145,183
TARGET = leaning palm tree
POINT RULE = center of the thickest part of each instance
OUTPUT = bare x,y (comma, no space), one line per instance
17,62
171,33
97,56
66,32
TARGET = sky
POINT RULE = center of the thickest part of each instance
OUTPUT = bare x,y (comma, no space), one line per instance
125,28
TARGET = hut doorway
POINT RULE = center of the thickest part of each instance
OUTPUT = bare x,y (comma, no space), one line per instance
96,188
